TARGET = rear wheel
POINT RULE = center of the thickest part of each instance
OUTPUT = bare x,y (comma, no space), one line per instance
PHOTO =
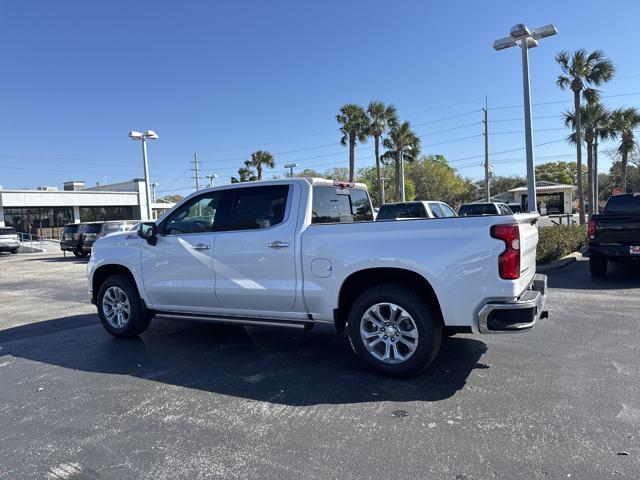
598,266
120,307
394,330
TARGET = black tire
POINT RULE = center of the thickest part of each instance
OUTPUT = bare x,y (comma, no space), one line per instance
138,321
77,253
14,251
598,266
425,319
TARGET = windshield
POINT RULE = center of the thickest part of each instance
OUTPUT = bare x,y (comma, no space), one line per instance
108,228
401,210
71,228
623,204
472,210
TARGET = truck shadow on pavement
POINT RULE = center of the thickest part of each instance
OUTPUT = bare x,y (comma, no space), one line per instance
577,276
271,365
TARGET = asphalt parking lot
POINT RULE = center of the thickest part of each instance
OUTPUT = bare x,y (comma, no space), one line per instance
198,401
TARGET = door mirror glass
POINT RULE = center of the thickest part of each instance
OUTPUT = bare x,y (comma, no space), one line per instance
149,232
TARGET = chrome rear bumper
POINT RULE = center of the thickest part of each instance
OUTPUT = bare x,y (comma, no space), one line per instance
518,315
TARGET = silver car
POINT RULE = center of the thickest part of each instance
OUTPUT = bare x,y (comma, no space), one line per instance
9,241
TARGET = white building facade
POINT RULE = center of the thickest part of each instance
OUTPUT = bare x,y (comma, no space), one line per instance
44,212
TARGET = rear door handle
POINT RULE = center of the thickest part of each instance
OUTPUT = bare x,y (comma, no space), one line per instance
201,246
278,244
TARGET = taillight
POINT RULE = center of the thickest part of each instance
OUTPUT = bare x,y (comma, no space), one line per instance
591,229
509,260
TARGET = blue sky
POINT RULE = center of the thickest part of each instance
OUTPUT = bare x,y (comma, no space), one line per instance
223,79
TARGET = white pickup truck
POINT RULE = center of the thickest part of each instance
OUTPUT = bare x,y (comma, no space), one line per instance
300,252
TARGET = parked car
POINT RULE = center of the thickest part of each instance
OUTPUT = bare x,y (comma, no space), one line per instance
9,240
95,230
417,209
300,252
486,208
71,239
614,235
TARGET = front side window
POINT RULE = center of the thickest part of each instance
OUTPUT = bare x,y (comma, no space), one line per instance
251,208
340,205
196,216
447,210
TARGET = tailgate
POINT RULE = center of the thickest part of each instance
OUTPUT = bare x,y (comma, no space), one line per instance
618,229
528,226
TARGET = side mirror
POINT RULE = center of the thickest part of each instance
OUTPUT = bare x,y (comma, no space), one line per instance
148,231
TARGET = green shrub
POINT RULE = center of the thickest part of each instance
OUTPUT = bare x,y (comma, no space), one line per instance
556,242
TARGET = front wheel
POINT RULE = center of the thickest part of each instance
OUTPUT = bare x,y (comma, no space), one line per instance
394,330
598,266
14,251
120,307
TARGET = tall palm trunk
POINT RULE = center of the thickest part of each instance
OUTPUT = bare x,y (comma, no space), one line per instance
259,169
398,185
376,138
623,181
576,105
352,156
590,209
596,184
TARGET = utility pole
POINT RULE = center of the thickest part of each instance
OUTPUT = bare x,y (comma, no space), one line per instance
487,174
196,169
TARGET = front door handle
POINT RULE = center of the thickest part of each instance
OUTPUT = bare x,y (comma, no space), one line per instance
278,244
201,246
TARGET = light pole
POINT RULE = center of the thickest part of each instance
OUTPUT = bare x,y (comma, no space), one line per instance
211,178
153,191
291,166
382,180
151,135
401,160
526,39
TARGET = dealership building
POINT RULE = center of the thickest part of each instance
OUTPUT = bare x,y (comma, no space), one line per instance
45,210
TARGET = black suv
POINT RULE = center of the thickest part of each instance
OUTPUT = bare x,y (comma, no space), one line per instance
71,239
95,230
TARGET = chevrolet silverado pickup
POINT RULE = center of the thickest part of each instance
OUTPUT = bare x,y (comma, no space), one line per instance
301,252
614,235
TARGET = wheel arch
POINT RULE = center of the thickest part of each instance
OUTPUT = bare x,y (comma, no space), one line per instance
358,282
105,271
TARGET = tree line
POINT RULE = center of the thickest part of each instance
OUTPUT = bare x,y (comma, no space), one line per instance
591,122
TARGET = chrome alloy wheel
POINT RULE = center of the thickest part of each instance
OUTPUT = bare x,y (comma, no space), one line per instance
116,307
389,333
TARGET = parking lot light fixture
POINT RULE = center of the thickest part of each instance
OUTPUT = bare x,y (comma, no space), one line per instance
211,178
521,35
291,166
144,136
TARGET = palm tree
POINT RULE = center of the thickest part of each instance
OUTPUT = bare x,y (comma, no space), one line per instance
260,159
594,118
625,121
580,73
245,174
381,119
354,127
401,140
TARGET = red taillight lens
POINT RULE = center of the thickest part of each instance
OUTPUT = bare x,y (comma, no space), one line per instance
509,260
591,229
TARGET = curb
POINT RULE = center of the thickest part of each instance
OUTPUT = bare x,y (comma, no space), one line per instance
558,264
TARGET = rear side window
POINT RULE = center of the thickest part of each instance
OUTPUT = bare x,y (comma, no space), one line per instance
91,228
254,208
628,203
340,205
401,210
504,210
435,209
447,210
7,231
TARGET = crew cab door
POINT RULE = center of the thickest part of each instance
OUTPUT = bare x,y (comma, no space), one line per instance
255,250
178,271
